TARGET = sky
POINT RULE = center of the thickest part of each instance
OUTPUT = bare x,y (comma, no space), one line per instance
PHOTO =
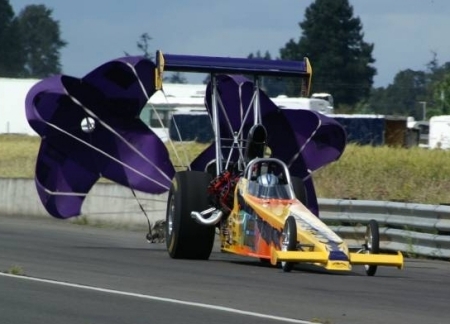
405,32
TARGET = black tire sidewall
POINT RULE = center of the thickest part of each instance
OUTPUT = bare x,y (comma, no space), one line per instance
373,228
291,227
189,240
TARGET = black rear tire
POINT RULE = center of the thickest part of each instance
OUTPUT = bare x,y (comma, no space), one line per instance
185,238
289,241
372,242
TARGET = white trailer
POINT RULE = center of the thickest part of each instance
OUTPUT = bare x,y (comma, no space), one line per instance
439,136
313,103
12,106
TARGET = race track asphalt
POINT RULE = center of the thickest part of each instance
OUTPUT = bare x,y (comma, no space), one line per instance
102,275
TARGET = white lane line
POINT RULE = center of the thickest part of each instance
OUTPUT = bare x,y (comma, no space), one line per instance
160,299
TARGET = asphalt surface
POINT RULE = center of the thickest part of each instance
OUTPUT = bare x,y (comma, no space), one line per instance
100,275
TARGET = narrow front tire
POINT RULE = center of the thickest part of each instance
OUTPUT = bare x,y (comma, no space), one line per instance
289,241
372,244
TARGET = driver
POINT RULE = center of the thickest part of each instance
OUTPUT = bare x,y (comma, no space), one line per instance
267,183
267,179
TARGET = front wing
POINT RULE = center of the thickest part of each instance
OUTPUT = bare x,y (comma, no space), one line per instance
323,259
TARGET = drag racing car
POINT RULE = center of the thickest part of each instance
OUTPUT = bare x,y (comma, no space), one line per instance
264,219
253,184
249,195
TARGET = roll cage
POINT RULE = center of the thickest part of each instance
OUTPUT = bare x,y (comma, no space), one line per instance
259,167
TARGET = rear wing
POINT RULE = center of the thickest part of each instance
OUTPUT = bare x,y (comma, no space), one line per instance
229,65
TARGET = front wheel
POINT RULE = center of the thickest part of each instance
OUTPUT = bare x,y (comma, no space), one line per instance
372,244
185,238
289,241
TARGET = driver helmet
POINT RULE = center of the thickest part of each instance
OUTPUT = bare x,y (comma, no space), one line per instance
268,179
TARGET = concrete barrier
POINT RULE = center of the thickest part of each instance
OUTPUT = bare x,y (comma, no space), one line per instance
18,197
106,203
412,228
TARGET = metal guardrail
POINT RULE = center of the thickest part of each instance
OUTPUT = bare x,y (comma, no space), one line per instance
415,229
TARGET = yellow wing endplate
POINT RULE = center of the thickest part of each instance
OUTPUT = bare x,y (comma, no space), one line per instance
159,70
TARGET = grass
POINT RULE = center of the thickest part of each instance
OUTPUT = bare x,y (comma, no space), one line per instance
80,220
183,153
18,155
15,270
386,173
363,172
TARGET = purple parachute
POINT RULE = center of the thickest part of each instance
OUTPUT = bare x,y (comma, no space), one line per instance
305,140
90,128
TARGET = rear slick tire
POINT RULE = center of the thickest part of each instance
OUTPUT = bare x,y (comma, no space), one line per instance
185,238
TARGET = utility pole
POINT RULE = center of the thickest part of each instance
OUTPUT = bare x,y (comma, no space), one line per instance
424,110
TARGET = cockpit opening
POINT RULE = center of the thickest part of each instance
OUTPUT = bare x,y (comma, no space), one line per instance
269,178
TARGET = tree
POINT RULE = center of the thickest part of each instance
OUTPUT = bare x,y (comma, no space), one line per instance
143,45
438,88
11,53
403,96
272,86
41,39
412,90
333,40
258,55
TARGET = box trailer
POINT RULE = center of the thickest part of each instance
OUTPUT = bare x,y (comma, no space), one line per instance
439,136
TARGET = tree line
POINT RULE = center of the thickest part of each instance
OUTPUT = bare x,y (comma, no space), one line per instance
30,42
330,36
421,94
343,65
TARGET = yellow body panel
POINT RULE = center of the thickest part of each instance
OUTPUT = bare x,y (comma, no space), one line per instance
393,260
321,259
254,228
